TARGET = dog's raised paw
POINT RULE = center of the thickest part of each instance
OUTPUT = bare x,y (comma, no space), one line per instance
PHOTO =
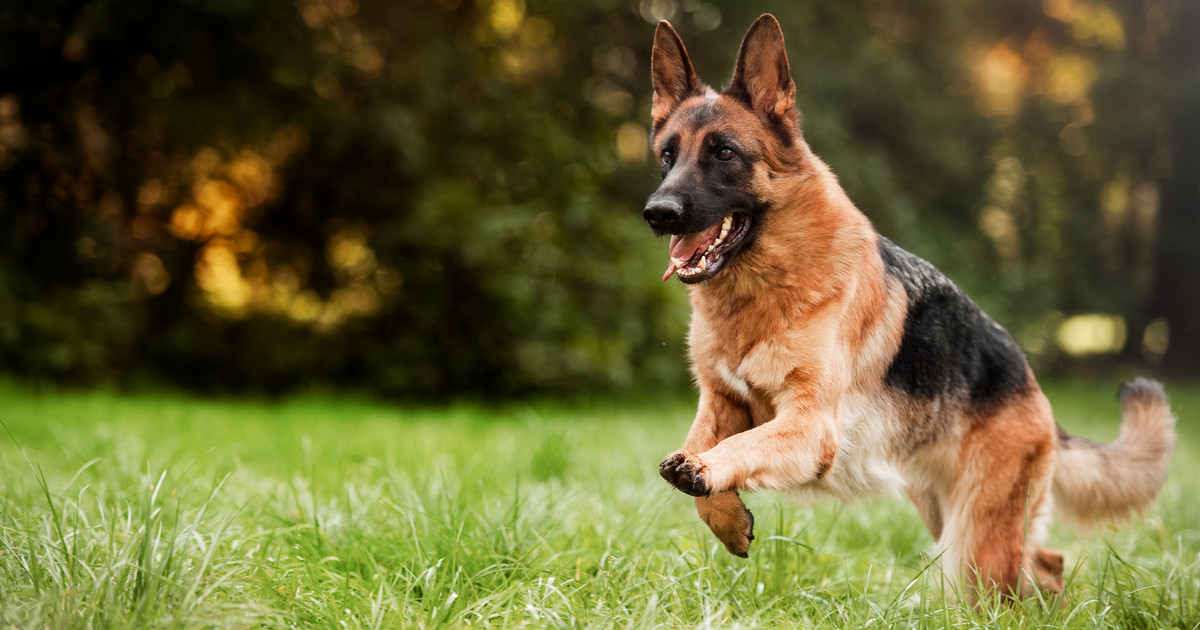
729,519
740,532
739,543
685,472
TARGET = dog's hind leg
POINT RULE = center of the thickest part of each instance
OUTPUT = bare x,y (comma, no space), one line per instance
1001,502
725,514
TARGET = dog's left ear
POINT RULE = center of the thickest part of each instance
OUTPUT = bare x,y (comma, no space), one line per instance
672,72
762,78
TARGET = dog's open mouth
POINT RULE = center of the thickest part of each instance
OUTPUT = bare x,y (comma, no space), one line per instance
699,256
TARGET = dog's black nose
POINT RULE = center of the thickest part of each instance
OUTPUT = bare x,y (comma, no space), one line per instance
663,213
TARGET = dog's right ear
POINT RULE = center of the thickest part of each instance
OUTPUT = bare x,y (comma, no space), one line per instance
672,72
762,78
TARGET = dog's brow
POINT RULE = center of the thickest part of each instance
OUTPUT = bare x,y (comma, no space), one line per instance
687,122
719,139
700,116
669,143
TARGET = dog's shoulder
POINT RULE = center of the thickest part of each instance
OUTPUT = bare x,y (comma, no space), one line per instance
949,346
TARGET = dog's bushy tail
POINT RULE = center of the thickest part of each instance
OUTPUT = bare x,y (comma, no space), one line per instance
1105,482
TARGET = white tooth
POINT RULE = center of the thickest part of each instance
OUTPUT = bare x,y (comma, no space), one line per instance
703,261
724,233
728,222
678,262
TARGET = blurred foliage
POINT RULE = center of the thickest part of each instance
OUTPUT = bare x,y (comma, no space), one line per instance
430,198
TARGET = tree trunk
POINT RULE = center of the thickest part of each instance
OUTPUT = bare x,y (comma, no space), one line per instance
1176,295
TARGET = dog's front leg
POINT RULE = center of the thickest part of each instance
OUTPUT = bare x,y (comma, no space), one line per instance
717,418
797,447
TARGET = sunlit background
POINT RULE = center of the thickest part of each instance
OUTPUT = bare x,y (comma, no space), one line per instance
432,198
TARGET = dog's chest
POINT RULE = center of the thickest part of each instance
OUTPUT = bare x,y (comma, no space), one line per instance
753,376
761,349
734,381
757,398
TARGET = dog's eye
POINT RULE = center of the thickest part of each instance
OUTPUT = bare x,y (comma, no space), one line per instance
667,158
725,154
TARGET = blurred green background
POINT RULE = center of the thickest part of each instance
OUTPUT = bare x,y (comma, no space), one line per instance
437,198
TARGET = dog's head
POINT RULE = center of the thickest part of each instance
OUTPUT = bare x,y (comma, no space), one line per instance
718,153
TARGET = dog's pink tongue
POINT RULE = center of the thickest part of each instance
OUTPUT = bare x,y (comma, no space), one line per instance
669,272
685,246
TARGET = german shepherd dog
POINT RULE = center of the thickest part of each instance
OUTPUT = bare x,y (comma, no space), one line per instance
830,361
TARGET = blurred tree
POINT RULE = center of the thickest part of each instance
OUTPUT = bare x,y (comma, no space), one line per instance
406,196
1176,288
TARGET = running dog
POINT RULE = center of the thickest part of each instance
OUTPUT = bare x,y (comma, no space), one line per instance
830,361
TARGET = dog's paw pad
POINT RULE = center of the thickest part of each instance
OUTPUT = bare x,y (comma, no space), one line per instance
685,472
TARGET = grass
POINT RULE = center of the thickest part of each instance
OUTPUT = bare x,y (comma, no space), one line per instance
320,511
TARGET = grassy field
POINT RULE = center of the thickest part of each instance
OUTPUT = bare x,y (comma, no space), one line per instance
320,511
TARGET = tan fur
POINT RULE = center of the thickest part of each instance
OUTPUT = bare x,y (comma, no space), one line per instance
790,345
1102,482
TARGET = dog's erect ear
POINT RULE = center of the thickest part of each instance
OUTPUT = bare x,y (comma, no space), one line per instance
762,78
672,72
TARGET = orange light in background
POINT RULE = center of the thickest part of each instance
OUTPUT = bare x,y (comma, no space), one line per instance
306,306
220,193
321,14
347,251
221,206
205,162
231,270
75,48
149,274
187,222
151,193
367,59
354,262
1061,10
344,41
286,141
1001,77
357,300
253,176
12,132
326,85
218,274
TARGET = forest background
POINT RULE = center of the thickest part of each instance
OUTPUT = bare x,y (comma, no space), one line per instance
429,199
